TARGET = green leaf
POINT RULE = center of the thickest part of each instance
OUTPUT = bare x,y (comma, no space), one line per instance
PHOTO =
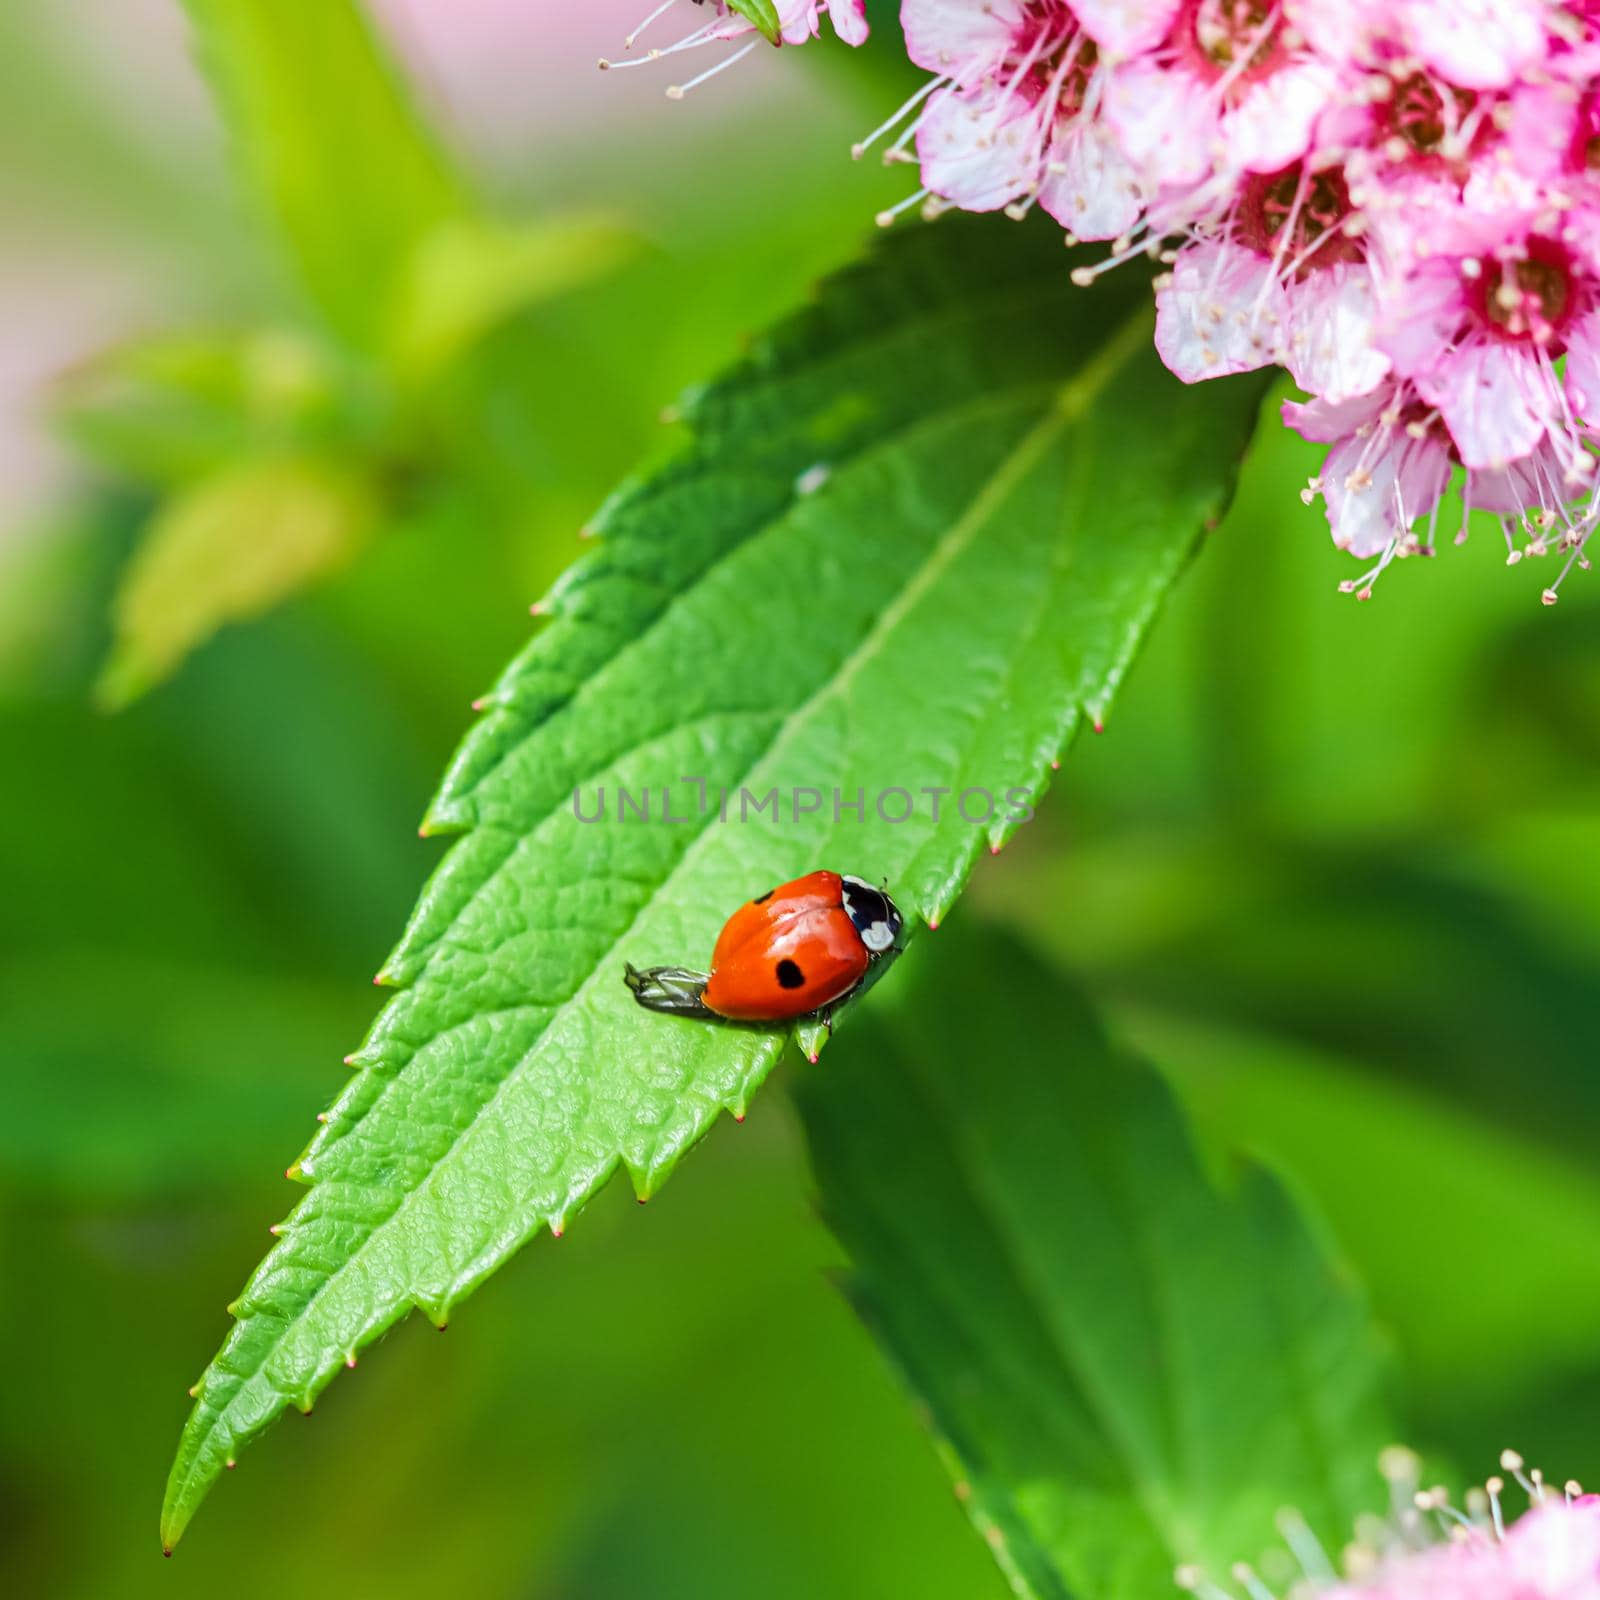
330,145
231,547
763,14
1131,1364
919,533
466,277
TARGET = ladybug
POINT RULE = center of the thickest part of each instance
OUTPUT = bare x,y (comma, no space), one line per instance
793,951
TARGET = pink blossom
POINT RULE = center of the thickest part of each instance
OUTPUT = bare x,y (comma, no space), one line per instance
1228,88
1014,116
1428,1549
1284,282
1478,326
1388,466
1397,201
799,20
1552,1552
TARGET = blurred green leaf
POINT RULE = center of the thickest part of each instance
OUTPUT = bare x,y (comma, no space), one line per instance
170,408
163,1085
763,14
1131,1365
1381,1160
466,277
916,467
230,547
1404,953
328,140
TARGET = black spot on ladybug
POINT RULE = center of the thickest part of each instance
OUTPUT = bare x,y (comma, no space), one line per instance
761,899
789,975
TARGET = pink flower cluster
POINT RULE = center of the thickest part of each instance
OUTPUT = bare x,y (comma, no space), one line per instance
1429,1549
1551,1552
1398,201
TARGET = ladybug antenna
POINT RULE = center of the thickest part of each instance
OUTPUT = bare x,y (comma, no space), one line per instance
674,990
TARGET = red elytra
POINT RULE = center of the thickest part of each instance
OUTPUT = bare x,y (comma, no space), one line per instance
791,952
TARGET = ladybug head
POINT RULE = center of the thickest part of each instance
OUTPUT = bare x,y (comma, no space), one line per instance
876,917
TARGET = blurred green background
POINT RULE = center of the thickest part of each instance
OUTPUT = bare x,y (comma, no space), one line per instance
1333,865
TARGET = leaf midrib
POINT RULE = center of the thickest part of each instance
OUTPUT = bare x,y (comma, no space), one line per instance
888,443
1071,400
1018,298
909,332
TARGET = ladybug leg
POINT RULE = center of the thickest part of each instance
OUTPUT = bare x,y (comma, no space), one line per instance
674,990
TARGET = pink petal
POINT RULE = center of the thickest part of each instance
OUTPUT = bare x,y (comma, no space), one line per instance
956,37
1476,44
1338,29
1583,366
1554,1551
797,21
1127,27
980,148
1541,122
1496,400
1533,481
1221,312
1332,350
1421,314
849,19
1325,421
1376,486
1164,119
1272,124
1090,187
